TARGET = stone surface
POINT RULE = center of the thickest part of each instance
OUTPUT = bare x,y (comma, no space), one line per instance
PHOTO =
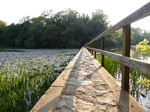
86,91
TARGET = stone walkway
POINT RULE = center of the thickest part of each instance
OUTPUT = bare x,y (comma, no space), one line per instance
86,90
85,86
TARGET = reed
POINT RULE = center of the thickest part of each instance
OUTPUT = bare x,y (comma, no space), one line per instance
112,66
22,83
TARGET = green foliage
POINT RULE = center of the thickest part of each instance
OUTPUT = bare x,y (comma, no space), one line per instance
113,67
11,33
137,35
2,28
2,24
143,46
145,82
114,40
65,29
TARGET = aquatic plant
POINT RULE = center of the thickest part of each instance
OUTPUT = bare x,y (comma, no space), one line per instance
23,81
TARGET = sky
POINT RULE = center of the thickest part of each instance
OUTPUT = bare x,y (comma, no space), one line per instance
11,11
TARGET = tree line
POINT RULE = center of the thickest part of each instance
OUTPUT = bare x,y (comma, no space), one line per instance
64,29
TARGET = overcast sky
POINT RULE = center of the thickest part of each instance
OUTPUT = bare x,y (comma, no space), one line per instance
11,11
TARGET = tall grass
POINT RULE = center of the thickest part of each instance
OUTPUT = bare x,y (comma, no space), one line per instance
112,66
22,83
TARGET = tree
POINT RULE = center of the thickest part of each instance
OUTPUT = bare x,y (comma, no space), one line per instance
136,36
24,19
98,22
2,28
146,35
35,32
65,29
11,34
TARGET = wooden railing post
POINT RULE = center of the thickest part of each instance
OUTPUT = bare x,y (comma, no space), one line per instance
92,46
126,52
102,47
95,51
89,49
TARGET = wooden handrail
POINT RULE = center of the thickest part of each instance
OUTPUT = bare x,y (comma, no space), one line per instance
138,65
125,60
137,15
